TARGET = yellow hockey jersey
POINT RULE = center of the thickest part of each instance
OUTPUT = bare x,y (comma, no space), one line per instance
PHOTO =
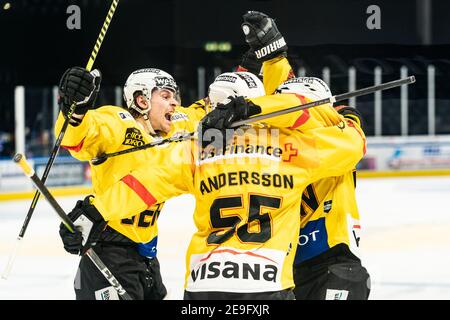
111,129
247,199
275,72
329,213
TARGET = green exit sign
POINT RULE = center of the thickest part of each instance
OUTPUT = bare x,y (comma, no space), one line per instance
215,46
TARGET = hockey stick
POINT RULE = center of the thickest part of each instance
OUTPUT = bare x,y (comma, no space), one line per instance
368,90
100,159
58,141
333,99
29,172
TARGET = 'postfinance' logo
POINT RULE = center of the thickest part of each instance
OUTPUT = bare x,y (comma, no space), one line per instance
133,137
290,152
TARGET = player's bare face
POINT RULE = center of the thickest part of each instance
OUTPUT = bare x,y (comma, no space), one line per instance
163,105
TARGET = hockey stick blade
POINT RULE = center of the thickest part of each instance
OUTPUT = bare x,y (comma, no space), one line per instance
12,258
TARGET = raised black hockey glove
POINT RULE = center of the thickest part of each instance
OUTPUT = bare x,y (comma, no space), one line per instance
262,35
212,128
89,224
79,86
250,63
351,113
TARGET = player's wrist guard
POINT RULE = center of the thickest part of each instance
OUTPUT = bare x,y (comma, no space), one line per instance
249,63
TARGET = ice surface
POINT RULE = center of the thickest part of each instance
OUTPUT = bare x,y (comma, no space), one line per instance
405,242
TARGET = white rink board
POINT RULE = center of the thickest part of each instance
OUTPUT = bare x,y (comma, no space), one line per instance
407,153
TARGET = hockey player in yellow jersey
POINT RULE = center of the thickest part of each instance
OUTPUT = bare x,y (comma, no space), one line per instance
111,128
327,263
246,193
151,114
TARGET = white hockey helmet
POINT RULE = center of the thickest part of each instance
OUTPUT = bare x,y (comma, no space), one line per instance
234,84
310,87
145,81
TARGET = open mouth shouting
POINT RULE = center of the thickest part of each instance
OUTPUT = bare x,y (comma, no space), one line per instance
168,117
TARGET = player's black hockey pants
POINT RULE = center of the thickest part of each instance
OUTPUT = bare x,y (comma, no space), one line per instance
138,275
217,295
333,275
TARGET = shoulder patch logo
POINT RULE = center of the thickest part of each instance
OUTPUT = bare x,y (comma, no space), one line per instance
125,115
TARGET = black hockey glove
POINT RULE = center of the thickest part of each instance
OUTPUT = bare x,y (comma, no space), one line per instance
262,35
89,224
250,63
79,86
221,118
351,113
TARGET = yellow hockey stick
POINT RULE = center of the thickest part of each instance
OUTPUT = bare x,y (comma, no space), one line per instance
55,150
29,172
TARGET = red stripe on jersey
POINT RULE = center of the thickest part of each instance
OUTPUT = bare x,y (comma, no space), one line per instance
302,98
75,148
139,188
351,124
302,119
305,114
291,74
235,253
337,108
241,69
356,226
